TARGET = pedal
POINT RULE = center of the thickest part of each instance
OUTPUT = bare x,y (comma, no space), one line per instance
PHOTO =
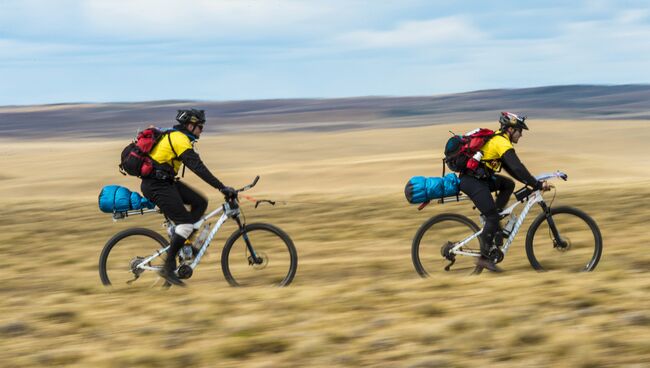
451,263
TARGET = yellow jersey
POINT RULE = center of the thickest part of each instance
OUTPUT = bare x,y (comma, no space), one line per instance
494,149
162,152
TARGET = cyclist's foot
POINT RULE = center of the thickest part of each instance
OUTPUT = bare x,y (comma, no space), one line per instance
170,276
489,265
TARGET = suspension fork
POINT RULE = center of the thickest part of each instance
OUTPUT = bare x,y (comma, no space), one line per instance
253,259
557,240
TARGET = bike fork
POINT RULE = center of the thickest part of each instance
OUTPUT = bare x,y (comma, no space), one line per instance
557,240
253,259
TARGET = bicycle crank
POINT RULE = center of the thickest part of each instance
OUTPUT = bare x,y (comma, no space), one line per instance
496,255
184,272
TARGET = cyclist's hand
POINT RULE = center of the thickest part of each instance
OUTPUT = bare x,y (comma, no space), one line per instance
229,192
546,186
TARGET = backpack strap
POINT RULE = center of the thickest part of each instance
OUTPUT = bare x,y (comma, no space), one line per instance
169,138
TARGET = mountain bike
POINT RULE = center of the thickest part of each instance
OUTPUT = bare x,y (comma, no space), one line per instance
255,254
560,238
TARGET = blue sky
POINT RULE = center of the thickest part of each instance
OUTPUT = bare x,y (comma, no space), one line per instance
136,50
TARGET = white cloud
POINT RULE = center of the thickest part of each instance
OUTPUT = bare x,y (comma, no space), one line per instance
447,30
387,47
195,19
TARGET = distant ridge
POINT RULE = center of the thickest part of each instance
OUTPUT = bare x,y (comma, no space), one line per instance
123,119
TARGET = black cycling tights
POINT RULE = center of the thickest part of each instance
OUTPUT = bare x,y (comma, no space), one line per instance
480,192
172,196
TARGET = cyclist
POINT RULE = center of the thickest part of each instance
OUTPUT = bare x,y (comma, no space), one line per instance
171,195
497,152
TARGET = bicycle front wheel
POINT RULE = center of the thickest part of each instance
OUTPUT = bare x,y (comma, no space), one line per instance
435,239
124,251
578,248
274,261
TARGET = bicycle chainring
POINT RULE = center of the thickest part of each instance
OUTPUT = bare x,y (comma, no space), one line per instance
496,255
185,272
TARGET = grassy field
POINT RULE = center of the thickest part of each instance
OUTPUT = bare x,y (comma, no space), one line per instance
356,299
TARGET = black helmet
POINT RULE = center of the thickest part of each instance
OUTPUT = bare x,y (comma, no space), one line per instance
510,120
190,116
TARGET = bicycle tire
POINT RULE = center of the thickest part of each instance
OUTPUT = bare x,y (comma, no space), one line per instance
160,242
465,222
243,276
556,212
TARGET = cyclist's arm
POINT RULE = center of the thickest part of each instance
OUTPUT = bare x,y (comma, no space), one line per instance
193,162
517,170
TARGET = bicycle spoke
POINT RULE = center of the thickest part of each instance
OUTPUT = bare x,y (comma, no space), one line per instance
577,249
434,242
274,262
124,252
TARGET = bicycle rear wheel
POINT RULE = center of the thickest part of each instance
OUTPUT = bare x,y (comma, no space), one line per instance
433,241
124,251
276,261
578,249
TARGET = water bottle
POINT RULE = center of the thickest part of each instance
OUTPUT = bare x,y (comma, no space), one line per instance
473,162
205,230
186,253
512,220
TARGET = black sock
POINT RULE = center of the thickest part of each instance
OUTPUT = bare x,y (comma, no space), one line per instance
177,242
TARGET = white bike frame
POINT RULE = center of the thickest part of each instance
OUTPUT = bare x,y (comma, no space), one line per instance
228,212
532,199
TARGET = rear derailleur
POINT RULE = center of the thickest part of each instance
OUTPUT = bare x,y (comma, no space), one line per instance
446,253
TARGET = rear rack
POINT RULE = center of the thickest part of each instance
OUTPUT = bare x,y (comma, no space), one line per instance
456,198
124,214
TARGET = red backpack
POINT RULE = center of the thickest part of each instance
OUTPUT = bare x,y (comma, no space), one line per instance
463,152
135,157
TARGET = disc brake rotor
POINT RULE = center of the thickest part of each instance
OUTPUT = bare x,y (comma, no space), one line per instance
262,261
564,245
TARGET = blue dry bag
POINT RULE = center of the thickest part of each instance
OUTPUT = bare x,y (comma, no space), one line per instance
115,198
420,189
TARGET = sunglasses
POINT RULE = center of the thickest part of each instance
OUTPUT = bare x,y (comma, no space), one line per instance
200,126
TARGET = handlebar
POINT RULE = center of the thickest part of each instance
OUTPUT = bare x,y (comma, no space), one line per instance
524,192
249,186
557,174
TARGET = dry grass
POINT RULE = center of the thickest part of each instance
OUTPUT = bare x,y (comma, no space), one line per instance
356,300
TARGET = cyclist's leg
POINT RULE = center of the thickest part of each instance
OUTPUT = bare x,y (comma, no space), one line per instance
504,187
166,196
479,192
198,203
